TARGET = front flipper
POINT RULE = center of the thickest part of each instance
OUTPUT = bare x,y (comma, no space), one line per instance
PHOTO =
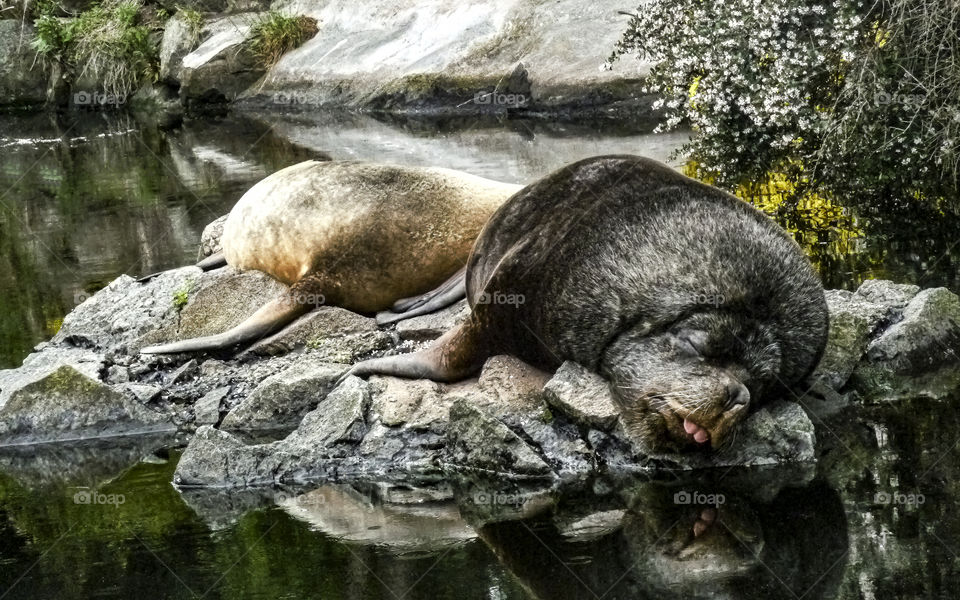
268,319
450,291
455,355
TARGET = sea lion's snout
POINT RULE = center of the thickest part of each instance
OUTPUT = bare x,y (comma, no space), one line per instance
734,407
685,388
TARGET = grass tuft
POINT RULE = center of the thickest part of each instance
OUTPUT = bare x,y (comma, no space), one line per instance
276,33
105,43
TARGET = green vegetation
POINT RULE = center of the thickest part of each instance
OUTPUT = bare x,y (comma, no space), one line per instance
181,297
851,95
275,34
547,415
106,43
194,20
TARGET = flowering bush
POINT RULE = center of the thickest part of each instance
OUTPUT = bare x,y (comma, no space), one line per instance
776,86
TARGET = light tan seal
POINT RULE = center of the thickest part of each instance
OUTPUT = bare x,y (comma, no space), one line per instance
362,236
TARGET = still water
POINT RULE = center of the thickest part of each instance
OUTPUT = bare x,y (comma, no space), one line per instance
83,200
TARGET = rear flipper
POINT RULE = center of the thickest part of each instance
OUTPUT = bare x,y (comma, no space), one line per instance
450,291
269,318
211,262
455,355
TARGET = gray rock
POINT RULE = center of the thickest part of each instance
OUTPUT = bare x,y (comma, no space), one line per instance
210,238
779,433
853,320
23,78
179,39
222,66
476,440
917,356
67,404
418,404
206,410
122,317
433,325
117,374
583,396
144,393
41,364
223,299
218,459
184,372
281,400
473,53
887,293
513,383
334,333
339,418
513,391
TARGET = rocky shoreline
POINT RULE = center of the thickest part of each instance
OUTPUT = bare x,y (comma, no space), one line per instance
272,414
527,58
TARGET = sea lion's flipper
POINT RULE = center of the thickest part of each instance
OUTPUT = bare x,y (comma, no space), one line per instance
268,319
455,355
456,281
451,291
211,262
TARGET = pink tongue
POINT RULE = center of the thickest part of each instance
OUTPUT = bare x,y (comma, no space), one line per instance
700,434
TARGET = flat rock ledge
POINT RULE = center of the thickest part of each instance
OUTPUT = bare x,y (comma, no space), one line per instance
274,414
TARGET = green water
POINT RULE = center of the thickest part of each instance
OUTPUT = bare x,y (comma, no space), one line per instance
876,518
86,198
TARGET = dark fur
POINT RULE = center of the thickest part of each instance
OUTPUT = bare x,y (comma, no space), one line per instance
693,304
614,258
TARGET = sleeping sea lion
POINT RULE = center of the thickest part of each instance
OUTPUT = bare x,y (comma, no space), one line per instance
691,303
362,236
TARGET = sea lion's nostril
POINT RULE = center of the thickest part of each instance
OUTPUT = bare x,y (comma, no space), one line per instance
737,395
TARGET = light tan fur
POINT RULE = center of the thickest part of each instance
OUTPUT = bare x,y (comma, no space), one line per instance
351,234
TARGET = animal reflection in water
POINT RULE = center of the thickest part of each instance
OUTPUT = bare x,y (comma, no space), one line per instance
646,541
658,548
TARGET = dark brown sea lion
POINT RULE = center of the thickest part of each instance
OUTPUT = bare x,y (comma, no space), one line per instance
691,303
352,234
